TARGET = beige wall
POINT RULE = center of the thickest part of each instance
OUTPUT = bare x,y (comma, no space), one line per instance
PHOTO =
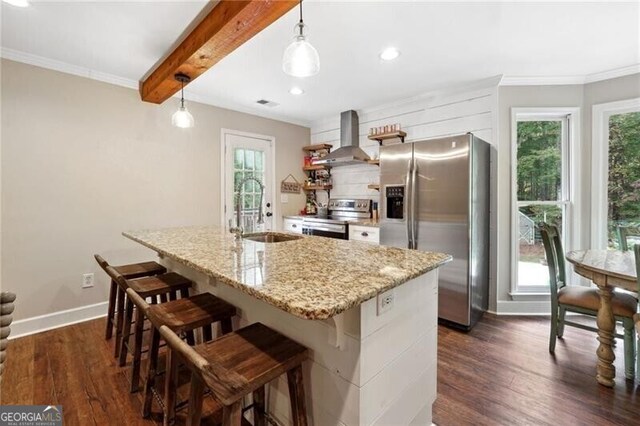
83,161
583,96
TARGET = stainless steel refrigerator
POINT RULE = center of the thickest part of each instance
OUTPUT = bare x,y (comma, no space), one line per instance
435,197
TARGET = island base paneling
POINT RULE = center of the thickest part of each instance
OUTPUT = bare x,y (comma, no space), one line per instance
385,372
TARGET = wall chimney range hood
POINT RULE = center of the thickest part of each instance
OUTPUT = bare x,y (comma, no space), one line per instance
349,152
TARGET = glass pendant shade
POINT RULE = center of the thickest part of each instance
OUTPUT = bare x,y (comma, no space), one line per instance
301,58
182,118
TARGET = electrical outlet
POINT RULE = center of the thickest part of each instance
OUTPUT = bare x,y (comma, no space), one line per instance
385,301
87,280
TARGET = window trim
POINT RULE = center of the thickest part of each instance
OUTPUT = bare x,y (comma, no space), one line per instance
600,169
571,191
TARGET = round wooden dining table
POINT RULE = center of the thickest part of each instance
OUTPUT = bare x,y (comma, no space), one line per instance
606,269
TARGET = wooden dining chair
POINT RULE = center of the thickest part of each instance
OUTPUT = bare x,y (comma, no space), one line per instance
624,232
583,300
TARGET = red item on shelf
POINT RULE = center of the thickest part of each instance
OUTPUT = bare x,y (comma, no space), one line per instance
307,160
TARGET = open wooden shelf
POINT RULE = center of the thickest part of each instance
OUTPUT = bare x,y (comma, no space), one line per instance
317,187
317,147
314,167
386,136
375,186
374,162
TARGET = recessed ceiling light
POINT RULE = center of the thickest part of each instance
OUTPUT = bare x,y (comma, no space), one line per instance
389,54
18,3
296,91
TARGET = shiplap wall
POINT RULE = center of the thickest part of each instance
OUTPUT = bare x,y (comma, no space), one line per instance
471,109
386,372
425,118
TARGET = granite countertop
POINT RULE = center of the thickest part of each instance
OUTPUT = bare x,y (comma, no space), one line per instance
311,277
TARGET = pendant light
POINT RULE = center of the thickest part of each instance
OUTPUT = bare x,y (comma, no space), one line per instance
300,58
182,117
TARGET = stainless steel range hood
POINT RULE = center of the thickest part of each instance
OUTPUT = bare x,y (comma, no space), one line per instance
349,151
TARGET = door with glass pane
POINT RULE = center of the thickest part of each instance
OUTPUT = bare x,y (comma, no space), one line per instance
542,195
248,180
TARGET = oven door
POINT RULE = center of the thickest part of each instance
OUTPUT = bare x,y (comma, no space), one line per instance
329,230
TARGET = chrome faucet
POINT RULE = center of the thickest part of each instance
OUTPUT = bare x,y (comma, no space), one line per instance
237,230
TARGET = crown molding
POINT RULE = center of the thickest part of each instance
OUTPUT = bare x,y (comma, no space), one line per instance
52,64
570,80
63,67
541,81
614,73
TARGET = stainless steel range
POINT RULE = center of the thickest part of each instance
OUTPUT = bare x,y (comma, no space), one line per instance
336,224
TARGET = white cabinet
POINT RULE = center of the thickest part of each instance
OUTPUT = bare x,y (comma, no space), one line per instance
369,234
293,225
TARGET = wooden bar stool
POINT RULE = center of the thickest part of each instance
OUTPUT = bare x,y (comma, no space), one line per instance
6,309
238,364
156,288
183,316
134,270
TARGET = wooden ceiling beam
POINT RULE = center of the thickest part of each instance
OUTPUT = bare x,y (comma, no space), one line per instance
229,24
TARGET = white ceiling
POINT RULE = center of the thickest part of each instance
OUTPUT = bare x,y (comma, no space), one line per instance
442,45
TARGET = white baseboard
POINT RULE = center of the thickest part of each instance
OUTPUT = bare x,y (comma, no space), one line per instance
46,322
528,307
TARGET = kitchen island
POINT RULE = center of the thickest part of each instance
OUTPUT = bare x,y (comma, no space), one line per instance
368,314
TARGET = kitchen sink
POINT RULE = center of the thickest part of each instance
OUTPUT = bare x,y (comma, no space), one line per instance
270,237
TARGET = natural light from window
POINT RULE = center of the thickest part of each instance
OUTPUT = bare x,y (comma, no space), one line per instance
248,163
541,194
623,185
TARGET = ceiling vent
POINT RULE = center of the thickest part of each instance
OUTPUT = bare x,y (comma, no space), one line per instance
267,103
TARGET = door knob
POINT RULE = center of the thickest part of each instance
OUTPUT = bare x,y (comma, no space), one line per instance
269,214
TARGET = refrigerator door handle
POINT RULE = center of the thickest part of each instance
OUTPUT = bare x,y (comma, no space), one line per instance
409,207
414,203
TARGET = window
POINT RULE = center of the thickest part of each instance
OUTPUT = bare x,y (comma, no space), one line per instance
248,163
247,155
541,191
616,173
623,191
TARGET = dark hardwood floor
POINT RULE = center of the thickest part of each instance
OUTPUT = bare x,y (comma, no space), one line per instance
500,373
